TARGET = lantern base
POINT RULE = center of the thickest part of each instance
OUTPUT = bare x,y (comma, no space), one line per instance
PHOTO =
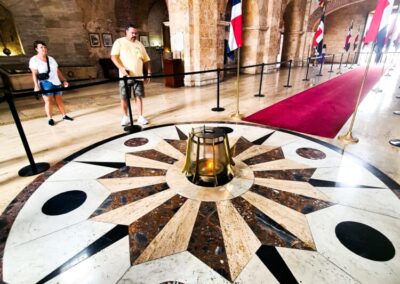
210,181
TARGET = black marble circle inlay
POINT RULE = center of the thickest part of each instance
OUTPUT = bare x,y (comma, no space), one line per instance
311,153
365,241
64,202
227,130
136,142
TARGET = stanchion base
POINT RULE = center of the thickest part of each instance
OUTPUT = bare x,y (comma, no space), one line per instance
133,128
287,86
28,171
339,73
217,109
319,75
306,79
388,75
259,95
377,90
348,138
237,116
331,71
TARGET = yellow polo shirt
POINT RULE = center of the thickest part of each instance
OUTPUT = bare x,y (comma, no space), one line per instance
131,54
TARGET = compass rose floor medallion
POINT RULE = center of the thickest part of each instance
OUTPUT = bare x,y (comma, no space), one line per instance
121,211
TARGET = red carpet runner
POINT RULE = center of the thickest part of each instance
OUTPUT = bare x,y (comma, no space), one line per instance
321,110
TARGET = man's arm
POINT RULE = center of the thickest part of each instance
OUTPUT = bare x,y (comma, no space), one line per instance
117,62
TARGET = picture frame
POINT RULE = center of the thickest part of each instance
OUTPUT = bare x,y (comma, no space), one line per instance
107,39
144,40
94,39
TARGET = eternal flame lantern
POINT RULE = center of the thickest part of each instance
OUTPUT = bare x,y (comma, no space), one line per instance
208,157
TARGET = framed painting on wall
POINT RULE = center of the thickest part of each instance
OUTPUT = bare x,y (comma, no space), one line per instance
107,40
144,40
94,39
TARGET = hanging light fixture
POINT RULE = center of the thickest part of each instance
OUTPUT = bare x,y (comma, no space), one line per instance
208,157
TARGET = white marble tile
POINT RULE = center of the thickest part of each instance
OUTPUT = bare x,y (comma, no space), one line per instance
323,224
167,132
102,155
32,223
79,171
280,139
332,158
107,266
351,175
311,267
182,267
31,261
255,272
381,200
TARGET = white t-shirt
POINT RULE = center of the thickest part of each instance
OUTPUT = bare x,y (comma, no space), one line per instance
41,67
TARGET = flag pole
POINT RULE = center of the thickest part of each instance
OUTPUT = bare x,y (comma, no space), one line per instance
237,114
348,137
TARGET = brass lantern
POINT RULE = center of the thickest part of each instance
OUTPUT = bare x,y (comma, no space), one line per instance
208,157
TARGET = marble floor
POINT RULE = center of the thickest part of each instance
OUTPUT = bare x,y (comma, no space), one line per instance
114,208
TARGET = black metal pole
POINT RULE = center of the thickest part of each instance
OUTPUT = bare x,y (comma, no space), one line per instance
288,78
320,67
261,79
33,168
352,62
218,108
347,60
308,67
340,64
130,128
333,59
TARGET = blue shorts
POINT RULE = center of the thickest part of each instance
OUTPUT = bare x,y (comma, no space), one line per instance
47,85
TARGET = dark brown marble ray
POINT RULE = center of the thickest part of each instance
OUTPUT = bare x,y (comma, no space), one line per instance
311,153
125,172
121,198
267,230
12,210
146,228
154,155
295,174
180,145
240,146
206,242
300,203
136,142
273,155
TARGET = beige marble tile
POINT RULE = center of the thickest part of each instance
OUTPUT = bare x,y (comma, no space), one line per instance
167,149
175,236
283,164
256,272
254,151
240,247
127,214
136,161
291,220
119,184
297,187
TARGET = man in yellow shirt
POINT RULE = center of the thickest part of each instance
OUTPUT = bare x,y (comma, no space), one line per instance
130,56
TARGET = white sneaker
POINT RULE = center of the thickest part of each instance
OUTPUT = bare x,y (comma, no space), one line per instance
124,121
141,120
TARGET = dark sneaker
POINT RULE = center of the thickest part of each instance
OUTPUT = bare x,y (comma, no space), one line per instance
66,117
51,122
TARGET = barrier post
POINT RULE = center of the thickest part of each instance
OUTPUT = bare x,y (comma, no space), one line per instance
261,79
33,168
347,60
333,59
288,79
218,108
130,128
308,67
340,65
320,67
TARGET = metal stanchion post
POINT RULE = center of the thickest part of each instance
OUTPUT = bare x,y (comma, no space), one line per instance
33,168
288,79
320,67
352,62
340,65
347,60
218,108
130,128
261,79
333,59
308,67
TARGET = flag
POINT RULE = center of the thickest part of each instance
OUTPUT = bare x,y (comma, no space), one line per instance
390,34
356,40
379,20
319,36
235,29
396,42
347,43
322,3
